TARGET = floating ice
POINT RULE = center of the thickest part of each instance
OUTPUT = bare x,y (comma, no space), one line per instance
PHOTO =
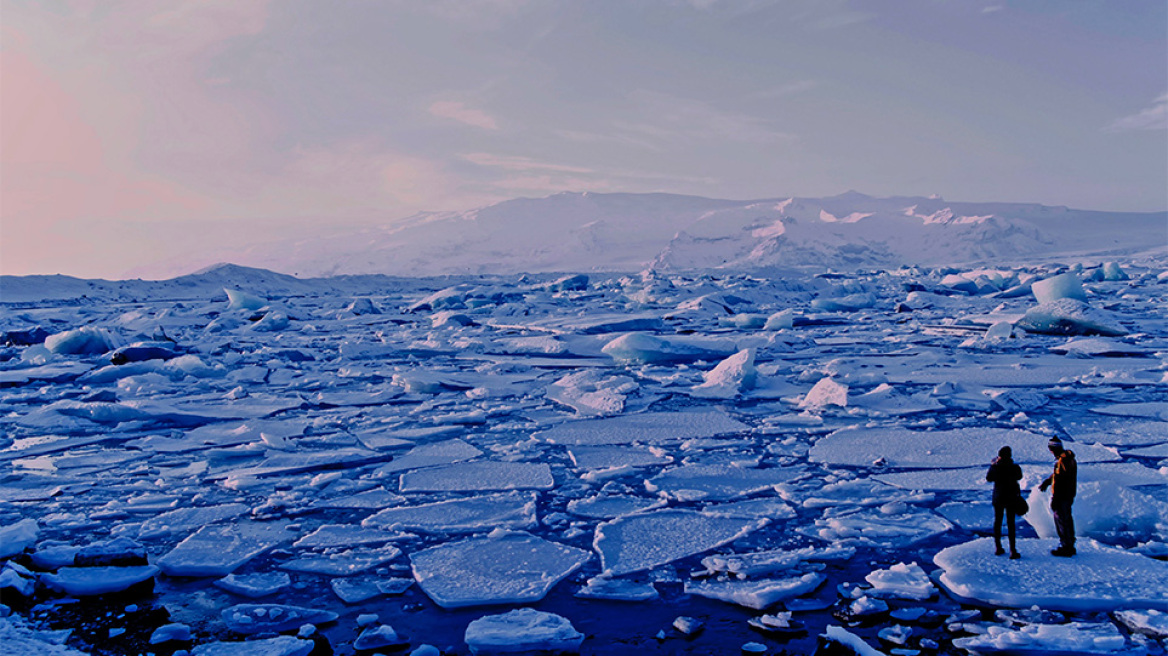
874,528
733,376
479,476
15,538
1149,409
523,630
1036,639
901,581
220,550
1149,622
780,320
591,393
91,581
648,427
428,455
278,646
849,641
605,457
1065,285
825,393
254,586
640,348
640,542
186,519
963,447
717,482
1067,316
606,507
770,508
601,587
758,594
86,340
264,618
344,535
377,637
1097,347
241,300
512,510
501,568
342,563
1098,578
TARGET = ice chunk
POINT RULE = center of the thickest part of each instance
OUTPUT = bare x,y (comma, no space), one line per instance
605,457
901,581
16,537
170,633
1065,285
86,340
220,550
91,581
641,348
241,300
765,507
502,567
874,528
1067,316
344,535
378,637
479,476
885,400
186,519
428,455
765,562
848,303
836,635
259,584
641,542
717,482
265,618
591,393
1083,638
963,447
278,646
342,563
601,587
758,594
825,393
523,630
731,377
648,427
1097,347
1103,509
512,510
1149,622
780,320
1098,578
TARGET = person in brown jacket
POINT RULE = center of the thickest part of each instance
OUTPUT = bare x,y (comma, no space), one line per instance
1004,473
1062,484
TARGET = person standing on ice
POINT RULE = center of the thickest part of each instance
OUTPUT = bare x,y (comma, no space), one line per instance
1004,473
1062,484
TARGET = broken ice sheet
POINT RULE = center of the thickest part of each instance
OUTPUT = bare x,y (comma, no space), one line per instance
647,428
877,529
758,594
1098,578
604,506
640,542
428,455
717,482
511,510
605,457
479,476
342,563
962,447
344,535
503,567
220,550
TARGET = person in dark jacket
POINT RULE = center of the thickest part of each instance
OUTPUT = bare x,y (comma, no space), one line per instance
1004,473
1062,484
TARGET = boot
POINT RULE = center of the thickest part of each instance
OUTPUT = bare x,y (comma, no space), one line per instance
998,550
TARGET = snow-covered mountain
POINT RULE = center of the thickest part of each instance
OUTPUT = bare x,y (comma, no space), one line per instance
627,232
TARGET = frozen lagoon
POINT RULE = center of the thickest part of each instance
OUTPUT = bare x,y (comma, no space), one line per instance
352,446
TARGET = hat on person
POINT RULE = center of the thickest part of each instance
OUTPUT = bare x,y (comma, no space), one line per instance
1054,443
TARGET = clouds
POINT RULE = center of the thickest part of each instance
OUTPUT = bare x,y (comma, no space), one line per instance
457,111
1152,118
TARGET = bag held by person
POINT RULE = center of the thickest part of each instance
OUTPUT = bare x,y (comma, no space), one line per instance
1020,506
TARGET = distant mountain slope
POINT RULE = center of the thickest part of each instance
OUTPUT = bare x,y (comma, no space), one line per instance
627,232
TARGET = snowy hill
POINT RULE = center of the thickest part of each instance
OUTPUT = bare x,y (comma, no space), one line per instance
627,232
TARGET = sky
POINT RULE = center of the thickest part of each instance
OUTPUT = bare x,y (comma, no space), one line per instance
140,131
